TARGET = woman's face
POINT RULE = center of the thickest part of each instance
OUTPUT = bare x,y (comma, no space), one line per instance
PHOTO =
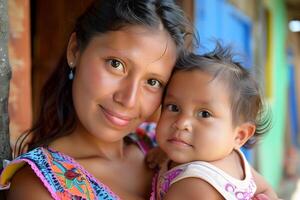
119,80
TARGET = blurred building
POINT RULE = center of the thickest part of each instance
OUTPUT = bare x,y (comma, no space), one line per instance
257,29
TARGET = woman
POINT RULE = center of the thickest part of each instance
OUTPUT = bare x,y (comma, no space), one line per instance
118,60
111,79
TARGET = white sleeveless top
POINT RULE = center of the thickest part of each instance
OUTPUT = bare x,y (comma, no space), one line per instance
229,187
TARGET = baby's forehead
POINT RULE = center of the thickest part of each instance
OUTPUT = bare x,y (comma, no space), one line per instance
197,81
207,77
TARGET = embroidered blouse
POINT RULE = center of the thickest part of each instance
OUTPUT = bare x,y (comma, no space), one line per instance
63,177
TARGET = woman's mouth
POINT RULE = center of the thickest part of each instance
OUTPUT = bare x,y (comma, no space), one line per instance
116,119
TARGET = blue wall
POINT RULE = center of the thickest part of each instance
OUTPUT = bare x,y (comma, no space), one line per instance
218,20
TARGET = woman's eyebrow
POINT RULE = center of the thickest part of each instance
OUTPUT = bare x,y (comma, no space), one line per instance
160,77
120,53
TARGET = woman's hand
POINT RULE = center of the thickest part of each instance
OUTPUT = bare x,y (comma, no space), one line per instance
261,197
155,157
264,197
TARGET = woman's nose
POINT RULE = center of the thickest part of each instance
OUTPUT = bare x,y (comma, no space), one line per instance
127,93
183,123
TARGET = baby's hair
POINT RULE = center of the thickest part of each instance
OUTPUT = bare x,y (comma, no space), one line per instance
245,97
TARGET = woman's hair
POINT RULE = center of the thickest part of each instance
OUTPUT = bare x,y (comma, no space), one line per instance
57,116
245,97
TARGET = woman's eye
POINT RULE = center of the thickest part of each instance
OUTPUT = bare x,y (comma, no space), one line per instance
116,64
172,108
204,114
154,83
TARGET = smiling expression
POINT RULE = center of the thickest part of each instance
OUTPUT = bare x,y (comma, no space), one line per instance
119,80
196,121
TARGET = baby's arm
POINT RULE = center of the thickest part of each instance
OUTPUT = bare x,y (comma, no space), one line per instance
262,186
192,189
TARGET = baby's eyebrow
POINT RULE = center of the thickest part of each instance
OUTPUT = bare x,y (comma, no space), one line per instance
170,95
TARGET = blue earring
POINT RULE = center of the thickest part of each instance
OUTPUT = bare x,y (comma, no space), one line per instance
71,74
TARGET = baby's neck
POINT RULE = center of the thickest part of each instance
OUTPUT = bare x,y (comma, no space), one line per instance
232,165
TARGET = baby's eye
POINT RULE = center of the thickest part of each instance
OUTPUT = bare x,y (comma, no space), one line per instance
154,83
116,64
172,108
204,114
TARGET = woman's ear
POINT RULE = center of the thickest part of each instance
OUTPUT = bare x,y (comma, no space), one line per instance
72,50
243,133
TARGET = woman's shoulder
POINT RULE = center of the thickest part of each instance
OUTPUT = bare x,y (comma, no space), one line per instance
55,172
12,167
29,172
26,185
50,170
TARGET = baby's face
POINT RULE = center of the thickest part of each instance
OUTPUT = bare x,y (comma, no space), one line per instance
196,121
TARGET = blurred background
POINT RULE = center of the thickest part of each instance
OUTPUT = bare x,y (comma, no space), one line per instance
265,34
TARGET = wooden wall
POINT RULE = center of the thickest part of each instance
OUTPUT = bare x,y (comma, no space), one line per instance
20,105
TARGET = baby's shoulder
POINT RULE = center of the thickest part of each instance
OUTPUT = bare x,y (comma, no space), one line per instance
193,188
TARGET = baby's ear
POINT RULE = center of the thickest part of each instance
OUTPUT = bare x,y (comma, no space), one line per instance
243,133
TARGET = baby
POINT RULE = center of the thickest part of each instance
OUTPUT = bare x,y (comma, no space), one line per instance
211,108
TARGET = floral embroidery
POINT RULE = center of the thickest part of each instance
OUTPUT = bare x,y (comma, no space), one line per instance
239,194
146,134
165,181
71,174
63,177
73,179
169,177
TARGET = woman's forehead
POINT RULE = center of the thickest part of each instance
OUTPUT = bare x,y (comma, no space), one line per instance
140,50
134,35
137,42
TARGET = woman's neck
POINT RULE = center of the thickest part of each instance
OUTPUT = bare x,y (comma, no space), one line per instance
80,144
